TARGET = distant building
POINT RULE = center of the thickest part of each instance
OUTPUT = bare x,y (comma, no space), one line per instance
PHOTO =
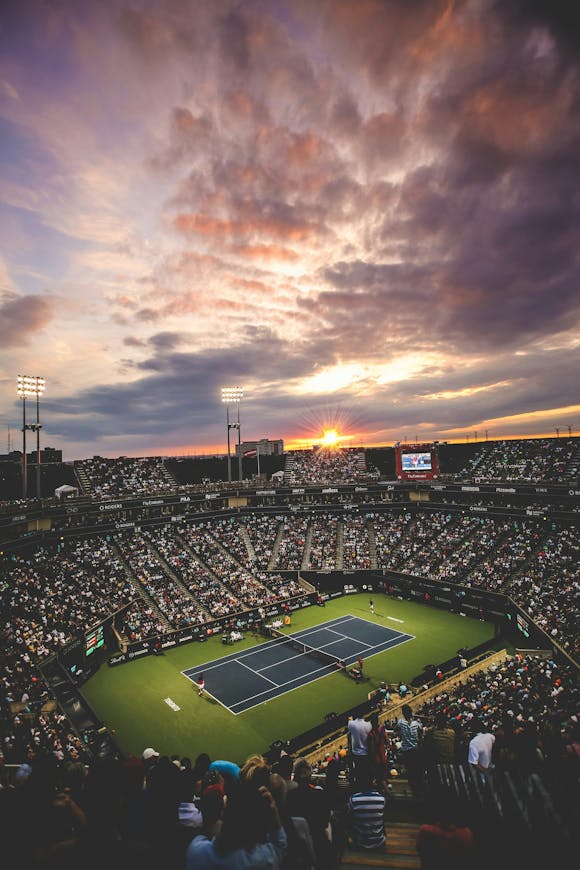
47,454
264,447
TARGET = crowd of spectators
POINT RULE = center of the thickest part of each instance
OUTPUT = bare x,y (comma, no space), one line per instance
52,594
529,703
115,478
322,553
548,460
262,532
196,572
160,809
548,588
291,544
199,582
321,465
243,589
356,552
174,602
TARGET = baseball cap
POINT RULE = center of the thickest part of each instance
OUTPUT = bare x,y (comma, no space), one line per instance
149,753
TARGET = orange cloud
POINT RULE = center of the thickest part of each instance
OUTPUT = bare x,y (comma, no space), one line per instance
307,148
264,252
204,225
514,120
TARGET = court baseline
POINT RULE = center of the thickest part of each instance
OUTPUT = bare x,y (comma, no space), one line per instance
238,683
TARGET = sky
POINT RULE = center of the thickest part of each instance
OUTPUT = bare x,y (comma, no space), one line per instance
366,213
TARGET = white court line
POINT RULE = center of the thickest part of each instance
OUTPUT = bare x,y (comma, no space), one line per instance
394,618
348,637
279,641
275,697
298,655
280,685
259,673
257,648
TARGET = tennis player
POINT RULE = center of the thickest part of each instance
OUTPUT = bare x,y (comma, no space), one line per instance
200,685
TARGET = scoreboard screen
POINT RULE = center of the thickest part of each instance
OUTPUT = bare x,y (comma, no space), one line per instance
416,461
94,640
523,625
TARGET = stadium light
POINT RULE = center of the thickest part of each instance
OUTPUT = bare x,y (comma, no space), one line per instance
233,395
30,387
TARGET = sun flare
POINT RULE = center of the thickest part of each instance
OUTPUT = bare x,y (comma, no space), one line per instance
330,438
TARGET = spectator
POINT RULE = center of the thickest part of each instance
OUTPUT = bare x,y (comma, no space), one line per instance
311,802
366,809
439,742
378,742
251,834
358,732
480,747
411,733
447,843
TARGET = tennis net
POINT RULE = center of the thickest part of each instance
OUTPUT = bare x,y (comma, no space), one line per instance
303,648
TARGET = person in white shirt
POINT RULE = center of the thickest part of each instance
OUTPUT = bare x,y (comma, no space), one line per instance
480,747
358,731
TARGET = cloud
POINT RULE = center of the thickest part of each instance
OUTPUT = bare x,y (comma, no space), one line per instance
375,196
21,317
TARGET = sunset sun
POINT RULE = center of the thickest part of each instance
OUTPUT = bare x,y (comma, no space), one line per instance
330,438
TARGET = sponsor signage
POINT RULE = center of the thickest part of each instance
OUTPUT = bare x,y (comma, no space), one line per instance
184,499
299,491
478,508
151,501
469,489
113,506
186,635
329,489
265,492
18,518
361,489
505,489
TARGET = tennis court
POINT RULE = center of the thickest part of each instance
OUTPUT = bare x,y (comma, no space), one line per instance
246,679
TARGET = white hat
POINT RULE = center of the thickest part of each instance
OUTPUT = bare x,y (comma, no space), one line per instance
150,753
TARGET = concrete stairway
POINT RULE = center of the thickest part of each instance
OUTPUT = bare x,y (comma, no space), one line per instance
400,850
276,547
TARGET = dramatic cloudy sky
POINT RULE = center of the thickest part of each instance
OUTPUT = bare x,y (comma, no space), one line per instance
362,211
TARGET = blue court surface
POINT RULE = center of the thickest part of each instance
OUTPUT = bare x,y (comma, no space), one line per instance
246,679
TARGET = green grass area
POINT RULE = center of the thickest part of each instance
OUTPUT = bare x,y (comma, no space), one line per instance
129,698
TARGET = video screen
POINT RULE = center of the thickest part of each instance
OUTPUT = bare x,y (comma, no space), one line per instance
523,625
416,461
94,640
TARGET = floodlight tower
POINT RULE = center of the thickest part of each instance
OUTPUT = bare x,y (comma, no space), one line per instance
30,386
233,395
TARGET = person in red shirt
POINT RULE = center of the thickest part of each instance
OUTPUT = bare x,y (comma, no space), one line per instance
448,842
200,685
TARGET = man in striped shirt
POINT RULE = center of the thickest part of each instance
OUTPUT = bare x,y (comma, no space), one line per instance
366,810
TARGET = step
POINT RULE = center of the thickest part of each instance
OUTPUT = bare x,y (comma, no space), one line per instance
352,859
400,850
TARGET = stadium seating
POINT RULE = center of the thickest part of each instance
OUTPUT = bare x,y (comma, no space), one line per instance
168,576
